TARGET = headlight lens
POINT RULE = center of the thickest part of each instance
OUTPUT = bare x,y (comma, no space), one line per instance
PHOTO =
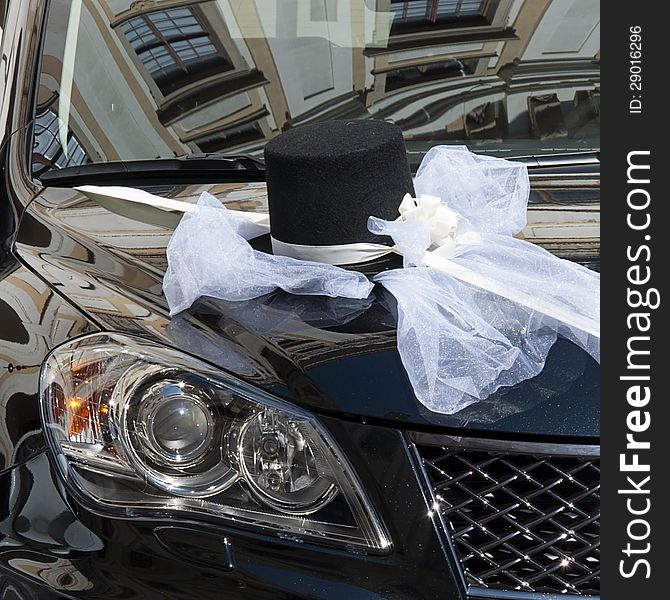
140,430
281,466
178,426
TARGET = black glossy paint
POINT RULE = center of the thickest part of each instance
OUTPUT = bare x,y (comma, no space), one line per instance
69,267
33,320
336,356
45,542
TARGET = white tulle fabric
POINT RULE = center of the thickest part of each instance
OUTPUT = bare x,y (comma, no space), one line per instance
208,255
490,194
459,342
477,308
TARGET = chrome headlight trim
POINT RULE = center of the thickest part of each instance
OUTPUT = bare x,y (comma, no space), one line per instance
99,454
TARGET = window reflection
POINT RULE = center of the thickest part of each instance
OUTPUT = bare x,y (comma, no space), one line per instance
415,74
410,13
230,137
175,77
174,47
47,150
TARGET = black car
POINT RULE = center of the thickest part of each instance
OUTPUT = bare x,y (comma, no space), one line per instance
388,499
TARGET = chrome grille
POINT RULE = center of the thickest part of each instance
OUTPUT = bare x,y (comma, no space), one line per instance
519,521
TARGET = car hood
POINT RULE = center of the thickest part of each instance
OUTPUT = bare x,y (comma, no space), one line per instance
335,356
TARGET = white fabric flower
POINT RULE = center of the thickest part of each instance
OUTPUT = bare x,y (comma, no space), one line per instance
438,218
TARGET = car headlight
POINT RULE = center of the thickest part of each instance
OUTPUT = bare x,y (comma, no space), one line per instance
142,431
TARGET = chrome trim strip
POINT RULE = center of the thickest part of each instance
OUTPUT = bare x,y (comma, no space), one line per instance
563,180
561,158
436,516
513,447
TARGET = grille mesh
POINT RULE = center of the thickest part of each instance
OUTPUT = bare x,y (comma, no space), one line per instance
518,521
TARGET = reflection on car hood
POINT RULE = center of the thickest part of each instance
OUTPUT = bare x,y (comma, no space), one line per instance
331,355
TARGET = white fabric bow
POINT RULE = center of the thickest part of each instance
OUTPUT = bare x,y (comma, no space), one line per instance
440,221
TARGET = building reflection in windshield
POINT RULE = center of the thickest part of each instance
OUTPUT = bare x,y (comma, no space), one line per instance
48,152
173,77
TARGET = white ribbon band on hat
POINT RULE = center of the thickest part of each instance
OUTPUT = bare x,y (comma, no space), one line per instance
340,254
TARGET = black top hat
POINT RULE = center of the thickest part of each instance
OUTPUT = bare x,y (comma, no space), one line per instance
325,180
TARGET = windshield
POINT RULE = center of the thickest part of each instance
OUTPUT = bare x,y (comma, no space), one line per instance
142,79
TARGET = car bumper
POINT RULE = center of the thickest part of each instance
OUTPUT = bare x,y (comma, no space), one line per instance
52,548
